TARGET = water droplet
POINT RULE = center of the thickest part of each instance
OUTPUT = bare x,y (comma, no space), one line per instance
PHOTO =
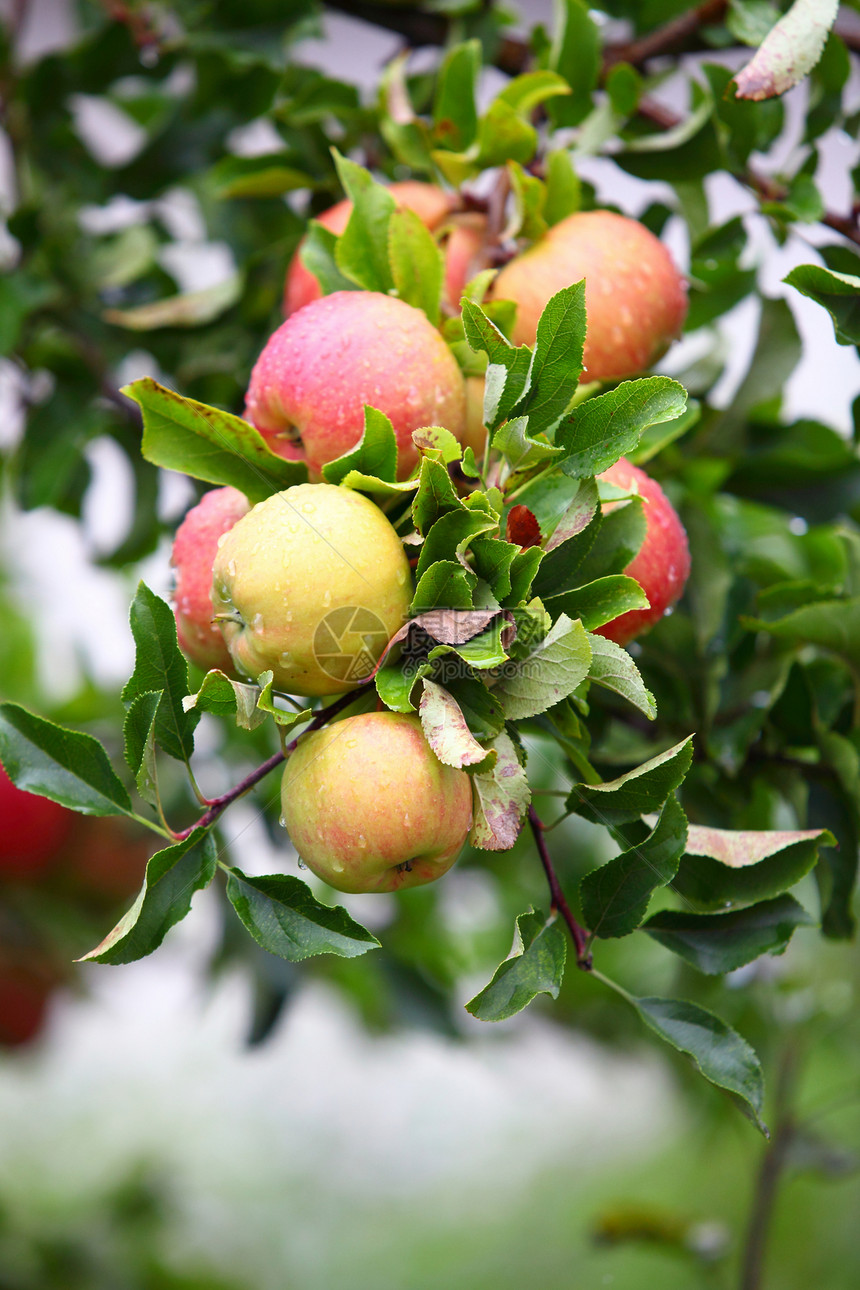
326,599
288,616
351,743
406,817
308,508
282,820
231,569
257,622
362,840
401,576
285,659
302,864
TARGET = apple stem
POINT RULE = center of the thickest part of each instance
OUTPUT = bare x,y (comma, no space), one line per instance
579,935
218,804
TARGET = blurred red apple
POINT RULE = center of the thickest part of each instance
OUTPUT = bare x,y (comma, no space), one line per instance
32,833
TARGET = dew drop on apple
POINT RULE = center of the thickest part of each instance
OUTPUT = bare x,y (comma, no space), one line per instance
231,569
308,508
282,821
401,576
326,600
288,616
257,622
285,659
302,864
362,841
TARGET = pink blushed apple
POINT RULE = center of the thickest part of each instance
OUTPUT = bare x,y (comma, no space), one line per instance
369,806
635,297
194,550
317,372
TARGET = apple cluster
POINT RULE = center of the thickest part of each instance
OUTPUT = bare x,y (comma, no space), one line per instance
311,584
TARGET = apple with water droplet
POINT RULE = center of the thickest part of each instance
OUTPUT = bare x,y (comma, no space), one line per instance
371,808
311,584
662,564
194,550
319,370
635,296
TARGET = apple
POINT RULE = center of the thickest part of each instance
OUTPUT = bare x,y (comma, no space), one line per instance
635,297
369,806
310,385
104,860
194,550
464,246
24,996
662,564
33,830
312,583
429,203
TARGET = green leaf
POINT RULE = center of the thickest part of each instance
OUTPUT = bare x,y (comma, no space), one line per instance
318,253
267,175
563,189
451,535
225,697
417,263
286,919
548,674
622,532
445,728
435,496
373,457
501,799
831,624
614,669
571,533
638,792
361,252
724,866
138,732
455,114
608,426
172,877
509,371
716,943
394,685
615,897
188,309
575,54
537,967
159,665
483,712
521,450
719,1052
557,361
789,51
527,91
272,703
445,585
65,765
838,293
600,601
182,434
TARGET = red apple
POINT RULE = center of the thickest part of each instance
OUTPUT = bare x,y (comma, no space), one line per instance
104,860
662,564
194,551
24,999
310,385
369,806
464,247
635,297
429,203
32,833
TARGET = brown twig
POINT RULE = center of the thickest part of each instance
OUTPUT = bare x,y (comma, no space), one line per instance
669,38
218,804
579,935
769,1176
